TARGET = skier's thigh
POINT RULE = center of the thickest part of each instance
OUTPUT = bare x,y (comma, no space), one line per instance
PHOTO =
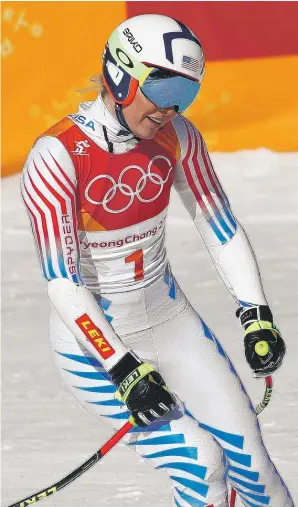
190,455
196,367
84,376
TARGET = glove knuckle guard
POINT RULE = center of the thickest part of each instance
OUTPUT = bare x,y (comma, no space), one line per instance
143,390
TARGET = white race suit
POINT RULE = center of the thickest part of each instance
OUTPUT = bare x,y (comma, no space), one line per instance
97,199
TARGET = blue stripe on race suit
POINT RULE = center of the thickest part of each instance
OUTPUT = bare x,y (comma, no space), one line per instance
40,256
172,292
232,368
230,438
208,333
113,402
50,268
192,501
75,279
230,217
98,389
62,266
177,503
119,415
221,220
100,375
252,476
257,488
167,275
216,231
101,389
186,452
108,317
196,470
244,303
187,412
197,487
219,347
243,459
105,304
166,439
258,498
92,361
92,375
169,280
153,427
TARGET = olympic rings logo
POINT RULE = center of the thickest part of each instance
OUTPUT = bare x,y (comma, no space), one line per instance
126,189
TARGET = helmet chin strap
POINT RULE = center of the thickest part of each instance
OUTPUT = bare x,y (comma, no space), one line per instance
120,117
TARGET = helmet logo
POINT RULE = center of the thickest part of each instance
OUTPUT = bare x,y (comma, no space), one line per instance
137,47
124,58
170,36
190,63
115,72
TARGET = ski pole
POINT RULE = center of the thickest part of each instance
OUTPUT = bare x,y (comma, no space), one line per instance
258,409
50,490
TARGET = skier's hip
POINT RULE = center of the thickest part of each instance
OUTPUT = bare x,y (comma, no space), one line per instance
139,309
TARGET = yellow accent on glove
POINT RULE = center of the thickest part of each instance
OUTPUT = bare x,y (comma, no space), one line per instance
262,348
261,324
131,381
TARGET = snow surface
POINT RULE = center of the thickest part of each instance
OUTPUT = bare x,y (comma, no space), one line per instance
45,433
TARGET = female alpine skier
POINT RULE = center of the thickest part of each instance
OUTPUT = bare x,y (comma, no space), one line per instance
125,338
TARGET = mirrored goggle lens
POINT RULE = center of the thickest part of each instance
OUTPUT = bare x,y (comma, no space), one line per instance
173,91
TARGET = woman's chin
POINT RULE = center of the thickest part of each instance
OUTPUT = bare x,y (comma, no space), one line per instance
143,135
147,136
145,131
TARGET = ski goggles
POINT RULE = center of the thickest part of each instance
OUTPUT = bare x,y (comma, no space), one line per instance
167,89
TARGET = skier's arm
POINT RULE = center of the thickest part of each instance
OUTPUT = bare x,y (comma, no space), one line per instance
228,245
48,186
208,205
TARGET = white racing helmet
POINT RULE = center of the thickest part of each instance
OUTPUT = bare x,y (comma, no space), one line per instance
158,54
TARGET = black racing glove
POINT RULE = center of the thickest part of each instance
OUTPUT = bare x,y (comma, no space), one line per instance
142,389
263,344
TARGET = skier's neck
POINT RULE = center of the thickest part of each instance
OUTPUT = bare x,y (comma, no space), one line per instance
109,104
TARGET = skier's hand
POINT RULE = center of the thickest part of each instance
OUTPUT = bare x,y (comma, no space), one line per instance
263,344
142,389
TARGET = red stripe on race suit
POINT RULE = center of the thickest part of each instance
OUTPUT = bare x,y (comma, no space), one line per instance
199,173
41,212
64,173
49,187
36,228
72,197
51,207
189,176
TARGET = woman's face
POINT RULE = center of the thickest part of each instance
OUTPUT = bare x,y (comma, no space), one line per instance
143,117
